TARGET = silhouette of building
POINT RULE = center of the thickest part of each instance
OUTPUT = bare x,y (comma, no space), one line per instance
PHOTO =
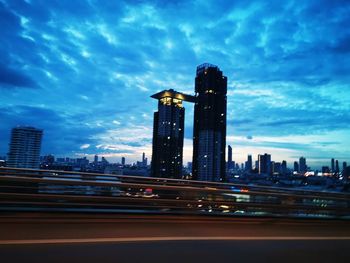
123,160
302,165
209,133
168,134
264,164
344,165
284,167
332,164
337,166
296,167
25,147
229,158
249,164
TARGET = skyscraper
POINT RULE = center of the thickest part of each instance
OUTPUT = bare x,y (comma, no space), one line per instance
229,158
264,163
296,166
25,147
332,165
337,166
123,160
209,128
168,134
249,164
284,167
302,165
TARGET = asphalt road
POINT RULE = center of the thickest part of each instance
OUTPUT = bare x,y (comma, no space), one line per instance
158,238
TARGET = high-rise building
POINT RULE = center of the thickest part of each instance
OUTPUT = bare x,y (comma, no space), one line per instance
302,165
25,147
296,167
209,133
168,134
264,163
249,164
344,165
96,159
336,166
229,158
284,167
332,164
144,160
123,160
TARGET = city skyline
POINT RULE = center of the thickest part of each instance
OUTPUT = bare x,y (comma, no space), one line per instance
287,92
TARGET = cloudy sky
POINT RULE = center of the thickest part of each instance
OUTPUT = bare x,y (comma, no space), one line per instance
84,71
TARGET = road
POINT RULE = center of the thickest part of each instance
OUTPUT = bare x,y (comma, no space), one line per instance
169,238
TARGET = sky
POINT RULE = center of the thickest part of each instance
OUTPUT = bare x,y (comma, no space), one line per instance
84,71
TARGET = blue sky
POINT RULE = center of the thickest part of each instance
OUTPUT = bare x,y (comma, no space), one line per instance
84,71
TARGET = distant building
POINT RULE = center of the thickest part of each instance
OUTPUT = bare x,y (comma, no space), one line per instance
209,128
25,146
264,164
123,160
284,168
189,166
344,165
276,167
96,159
229,158
249,164
296,167
302,165
168,134
326,170
337,167
332,165
346,173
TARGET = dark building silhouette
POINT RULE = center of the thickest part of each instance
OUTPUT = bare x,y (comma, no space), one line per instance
209,133
346,173
344,165
249,164
302,165
337,166
325,170
264,162
123,160
168,134
25,147
229,158
284,167
296,167
332,164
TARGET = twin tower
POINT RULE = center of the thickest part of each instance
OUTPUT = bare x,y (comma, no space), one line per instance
209,128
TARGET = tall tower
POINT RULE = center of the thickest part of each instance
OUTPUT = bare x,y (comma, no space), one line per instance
168,134
249,164
265,163
229,158
209,131
332,165
302,165
25,147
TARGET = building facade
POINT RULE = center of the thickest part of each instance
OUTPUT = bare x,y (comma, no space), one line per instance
264,163
168,134
209,131
229,158
24,148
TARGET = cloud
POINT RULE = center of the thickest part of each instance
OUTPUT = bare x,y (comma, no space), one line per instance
13,78
97,68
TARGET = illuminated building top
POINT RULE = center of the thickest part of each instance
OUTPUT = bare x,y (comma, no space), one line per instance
168,96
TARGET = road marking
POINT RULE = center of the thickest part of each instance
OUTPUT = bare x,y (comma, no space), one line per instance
150,239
